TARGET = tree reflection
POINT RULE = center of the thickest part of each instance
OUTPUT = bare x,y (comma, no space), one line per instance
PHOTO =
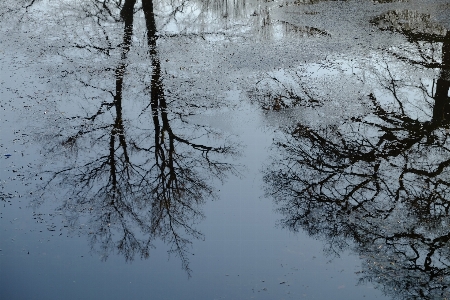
135,175
132,175
377,184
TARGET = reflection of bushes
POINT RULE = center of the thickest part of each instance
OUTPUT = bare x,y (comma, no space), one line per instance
410,23
302,30
300,2
389,1
282,91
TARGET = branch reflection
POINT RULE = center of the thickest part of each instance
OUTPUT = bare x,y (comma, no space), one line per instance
136,172
378,184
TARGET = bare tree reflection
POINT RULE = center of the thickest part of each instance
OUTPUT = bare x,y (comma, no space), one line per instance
142,176
377,184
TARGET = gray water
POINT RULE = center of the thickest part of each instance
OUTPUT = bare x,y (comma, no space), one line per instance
224,150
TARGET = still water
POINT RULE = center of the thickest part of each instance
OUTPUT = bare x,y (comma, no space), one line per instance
194,149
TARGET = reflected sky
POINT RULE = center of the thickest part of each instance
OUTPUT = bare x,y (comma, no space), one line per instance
273,149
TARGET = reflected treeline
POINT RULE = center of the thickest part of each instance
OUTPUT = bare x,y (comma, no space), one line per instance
378,184
235,18
134,169
186,18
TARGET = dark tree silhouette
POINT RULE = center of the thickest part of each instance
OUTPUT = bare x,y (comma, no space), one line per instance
376,184
142,176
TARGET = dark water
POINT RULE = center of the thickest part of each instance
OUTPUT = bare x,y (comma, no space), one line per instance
224,150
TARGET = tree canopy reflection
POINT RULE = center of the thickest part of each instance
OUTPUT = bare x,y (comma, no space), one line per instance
134,168
378,183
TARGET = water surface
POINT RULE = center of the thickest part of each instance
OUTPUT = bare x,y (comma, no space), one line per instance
224,150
